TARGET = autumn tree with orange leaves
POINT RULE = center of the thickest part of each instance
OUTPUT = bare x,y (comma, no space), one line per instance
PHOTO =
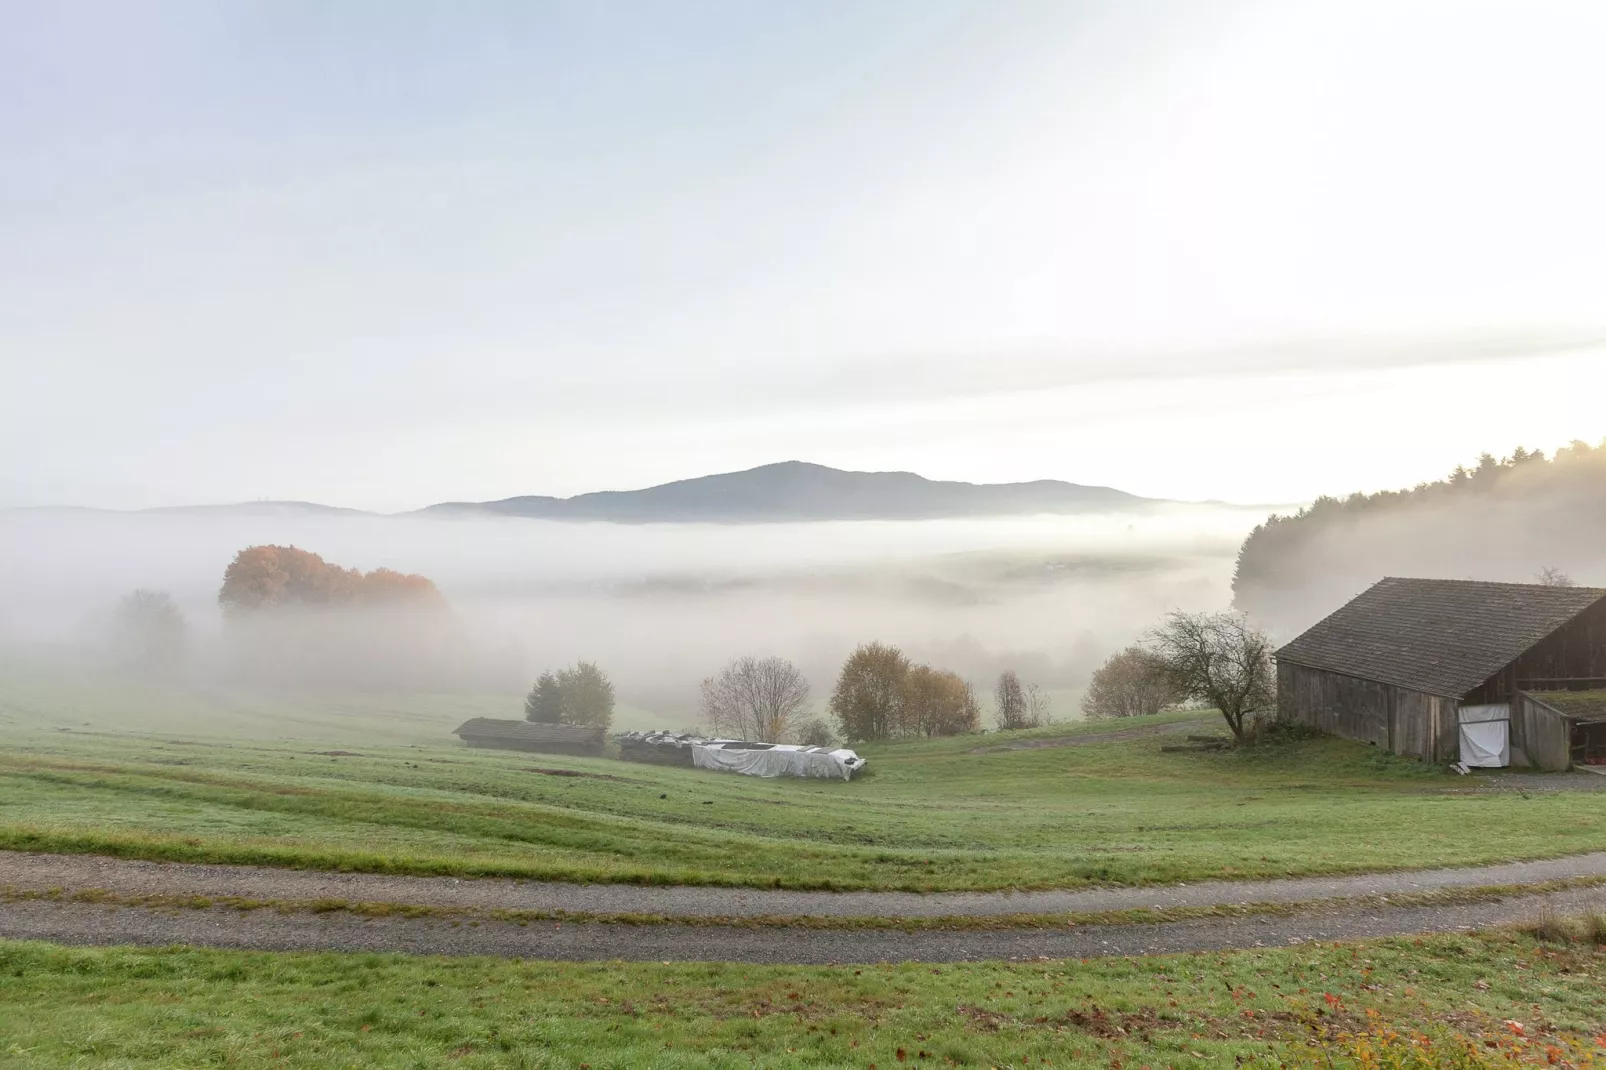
266,577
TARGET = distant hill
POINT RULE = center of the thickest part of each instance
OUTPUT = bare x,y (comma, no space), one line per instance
795,490
262,509
255,509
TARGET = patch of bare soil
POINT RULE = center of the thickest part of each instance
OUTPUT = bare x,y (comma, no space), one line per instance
575,772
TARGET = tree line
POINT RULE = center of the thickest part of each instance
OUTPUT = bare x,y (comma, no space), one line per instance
1212,660
1523,509
880,694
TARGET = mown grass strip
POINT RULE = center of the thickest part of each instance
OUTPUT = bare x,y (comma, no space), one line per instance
1462,1001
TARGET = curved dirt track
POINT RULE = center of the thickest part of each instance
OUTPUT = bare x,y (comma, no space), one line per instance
42,872
81,923
301,927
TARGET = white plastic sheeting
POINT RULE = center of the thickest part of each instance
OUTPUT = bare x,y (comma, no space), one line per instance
779,760
1485,736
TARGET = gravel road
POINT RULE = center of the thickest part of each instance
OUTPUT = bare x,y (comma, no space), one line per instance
42,872
78,923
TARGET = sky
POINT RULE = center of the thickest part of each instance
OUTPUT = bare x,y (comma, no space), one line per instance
381,255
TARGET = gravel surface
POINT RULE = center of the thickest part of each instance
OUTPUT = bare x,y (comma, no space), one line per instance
42,872
1577,780
76,923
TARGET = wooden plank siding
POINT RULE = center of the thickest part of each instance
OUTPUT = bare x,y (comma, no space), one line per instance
1573,657
1543,733
1407,722
1419,726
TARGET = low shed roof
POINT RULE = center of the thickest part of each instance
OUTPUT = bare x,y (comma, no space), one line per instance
1443,637
528,731
1584,705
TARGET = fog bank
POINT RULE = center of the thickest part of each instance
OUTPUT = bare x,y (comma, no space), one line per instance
659,606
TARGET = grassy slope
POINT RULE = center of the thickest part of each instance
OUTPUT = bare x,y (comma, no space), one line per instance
178,1007
58,693
934,815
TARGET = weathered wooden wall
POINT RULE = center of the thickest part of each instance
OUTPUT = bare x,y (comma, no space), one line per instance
1407,722
1420,725
1331,702
1544,734
1571,658
1447,732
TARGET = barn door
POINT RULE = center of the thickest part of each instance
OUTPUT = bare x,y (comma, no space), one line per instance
1485,736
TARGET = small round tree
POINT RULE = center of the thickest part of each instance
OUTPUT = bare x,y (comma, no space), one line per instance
1217,659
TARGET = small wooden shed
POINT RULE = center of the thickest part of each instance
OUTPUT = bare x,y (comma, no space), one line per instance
1560,729
528,735
1422,666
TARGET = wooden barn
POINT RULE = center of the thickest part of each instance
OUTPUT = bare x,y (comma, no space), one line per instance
527,735
1456,670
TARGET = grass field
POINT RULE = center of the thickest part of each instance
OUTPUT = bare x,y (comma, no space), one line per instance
1442,1000
409,798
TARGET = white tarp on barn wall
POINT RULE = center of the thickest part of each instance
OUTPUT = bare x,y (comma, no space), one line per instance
780,760
1485,736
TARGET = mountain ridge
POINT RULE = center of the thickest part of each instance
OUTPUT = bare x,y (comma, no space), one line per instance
770,493
798,491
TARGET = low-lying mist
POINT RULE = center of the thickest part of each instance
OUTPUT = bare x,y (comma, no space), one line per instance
658,606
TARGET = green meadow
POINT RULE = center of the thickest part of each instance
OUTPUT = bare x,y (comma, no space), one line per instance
193,777
1486,1000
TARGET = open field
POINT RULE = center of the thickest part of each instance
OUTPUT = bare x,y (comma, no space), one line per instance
934,816
120,1007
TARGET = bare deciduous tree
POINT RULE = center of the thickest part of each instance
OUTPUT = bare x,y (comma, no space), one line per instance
1039,710
1218,659
1010,697
1551,576
1131,683
754,698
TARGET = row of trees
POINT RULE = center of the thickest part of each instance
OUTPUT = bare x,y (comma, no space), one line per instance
147,631
879,694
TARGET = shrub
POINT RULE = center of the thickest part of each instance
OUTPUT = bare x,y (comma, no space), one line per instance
815,733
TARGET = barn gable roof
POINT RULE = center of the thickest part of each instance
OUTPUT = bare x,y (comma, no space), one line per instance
1443,637
528,731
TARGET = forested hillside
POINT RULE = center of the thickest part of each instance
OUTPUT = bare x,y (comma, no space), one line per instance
1526,518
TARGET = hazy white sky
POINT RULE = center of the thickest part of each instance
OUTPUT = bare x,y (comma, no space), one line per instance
381,255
